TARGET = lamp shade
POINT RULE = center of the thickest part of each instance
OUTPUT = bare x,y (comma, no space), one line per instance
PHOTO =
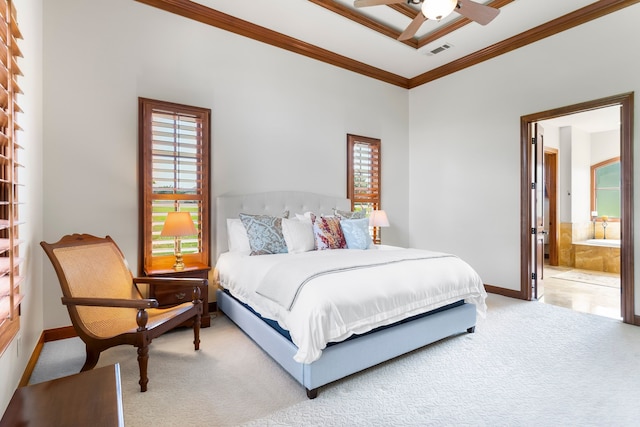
178,224
378,219
438,9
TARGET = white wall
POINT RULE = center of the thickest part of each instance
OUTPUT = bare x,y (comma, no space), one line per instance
551,137
279,120
580,175
14,360
465,139
564,199
604,146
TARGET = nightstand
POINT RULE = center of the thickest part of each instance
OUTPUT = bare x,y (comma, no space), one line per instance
171,295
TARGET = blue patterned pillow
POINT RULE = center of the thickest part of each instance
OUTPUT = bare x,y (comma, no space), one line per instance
265,234
356,233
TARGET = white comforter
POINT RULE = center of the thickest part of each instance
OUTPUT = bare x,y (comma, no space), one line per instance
330,308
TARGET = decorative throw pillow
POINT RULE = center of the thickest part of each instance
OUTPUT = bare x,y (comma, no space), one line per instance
328,233
298,234
264,233
356,233
237,236
349,215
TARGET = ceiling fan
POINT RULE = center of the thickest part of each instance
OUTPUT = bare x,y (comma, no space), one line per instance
438,9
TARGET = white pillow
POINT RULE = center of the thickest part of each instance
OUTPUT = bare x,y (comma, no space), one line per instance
304,216
298,234
237,236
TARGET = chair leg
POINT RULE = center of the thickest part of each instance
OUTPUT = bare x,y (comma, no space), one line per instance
92,359
143,359
196,332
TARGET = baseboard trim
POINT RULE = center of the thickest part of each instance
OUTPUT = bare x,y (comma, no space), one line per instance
504,292
31,365
59,333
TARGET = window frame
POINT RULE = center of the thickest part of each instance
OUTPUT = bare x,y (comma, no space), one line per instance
149,232
372,198
594,169
10,187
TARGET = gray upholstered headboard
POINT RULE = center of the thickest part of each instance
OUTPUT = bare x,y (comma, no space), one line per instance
271,203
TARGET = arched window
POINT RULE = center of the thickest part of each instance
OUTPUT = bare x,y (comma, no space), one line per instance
605,188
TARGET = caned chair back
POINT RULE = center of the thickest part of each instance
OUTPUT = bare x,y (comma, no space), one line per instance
95,270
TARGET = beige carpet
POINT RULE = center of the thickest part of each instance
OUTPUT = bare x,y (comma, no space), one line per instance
527,364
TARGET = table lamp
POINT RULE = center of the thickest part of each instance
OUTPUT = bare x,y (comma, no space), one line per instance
178,224
377,218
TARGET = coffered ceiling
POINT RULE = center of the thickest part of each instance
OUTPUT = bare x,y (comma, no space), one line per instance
364,40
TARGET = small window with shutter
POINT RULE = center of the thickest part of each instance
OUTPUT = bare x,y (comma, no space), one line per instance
174,177
363,173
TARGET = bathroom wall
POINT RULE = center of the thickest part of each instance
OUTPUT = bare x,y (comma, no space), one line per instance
578,151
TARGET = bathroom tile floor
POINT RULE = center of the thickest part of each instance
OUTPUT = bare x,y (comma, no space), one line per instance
582,290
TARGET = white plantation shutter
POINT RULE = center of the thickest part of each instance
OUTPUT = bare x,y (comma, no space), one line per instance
175,177
10,149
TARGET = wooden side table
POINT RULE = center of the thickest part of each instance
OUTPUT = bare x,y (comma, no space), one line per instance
89,398
172,295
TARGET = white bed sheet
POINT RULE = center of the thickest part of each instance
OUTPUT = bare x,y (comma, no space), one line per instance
331,308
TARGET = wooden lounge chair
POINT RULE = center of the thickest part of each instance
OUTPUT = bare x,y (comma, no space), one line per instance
105,304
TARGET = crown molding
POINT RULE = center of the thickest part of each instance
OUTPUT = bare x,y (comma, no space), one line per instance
558,25
209,16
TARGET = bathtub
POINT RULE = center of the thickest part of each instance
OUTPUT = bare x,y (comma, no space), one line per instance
608,243
597,255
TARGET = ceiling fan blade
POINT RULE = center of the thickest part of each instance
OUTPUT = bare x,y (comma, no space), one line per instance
365,3
480,13
413,27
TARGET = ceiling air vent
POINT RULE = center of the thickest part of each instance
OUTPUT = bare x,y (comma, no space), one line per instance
438,49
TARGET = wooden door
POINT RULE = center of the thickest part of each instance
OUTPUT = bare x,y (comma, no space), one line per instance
538,231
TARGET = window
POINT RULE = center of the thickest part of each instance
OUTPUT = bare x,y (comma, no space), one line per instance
174,176
605,188
10,260
363,175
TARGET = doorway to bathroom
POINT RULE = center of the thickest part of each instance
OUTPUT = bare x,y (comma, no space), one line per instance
571,259
581,202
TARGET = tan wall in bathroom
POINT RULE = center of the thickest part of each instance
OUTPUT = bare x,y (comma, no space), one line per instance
565,245
588,257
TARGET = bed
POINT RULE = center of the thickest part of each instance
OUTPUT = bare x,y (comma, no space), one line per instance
315,352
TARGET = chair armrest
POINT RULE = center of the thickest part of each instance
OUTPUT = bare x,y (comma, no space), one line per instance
180,281
140,304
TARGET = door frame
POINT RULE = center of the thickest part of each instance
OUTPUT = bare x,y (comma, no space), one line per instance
625,101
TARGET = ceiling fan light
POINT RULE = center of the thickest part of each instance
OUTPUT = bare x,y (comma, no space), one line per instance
438,9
